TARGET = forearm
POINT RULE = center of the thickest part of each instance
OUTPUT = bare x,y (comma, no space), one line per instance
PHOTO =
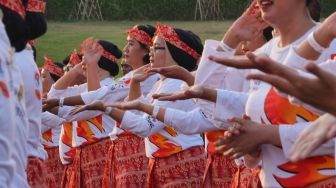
189,79
117,114
69,79
73,101
134,91
148,109
93,82
209,94
231,39
322,37
270,135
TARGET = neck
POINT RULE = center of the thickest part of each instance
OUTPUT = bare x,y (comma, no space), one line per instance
137,65
294,27
103,75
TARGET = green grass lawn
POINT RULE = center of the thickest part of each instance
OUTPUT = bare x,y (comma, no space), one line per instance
61,38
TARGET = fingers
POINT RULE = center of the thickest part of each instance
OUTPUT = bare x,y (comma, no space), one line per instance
157,96
77,110
280,83
240,63
325,76
173,97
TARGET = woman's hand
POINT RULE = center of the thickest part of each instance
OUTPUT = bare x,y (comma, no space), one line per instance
97,105
318,90
246,27
175,72
92,51
130,105
192,92
49,104
244,137
141,74
320,131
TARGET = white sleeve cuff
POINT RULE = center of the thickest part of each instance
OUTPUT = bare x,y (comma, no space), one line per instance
294,60
229,104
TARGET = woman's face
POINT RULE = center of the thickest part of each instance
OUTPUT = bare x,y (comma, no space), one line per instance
133,52
158,53
47,82
275,11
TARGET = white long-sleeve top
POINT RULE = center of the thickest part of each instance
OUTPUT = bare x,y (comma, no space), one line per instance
32,92
20,154
262,104
7,121
75,133
108,94
211,75
51,129
161,140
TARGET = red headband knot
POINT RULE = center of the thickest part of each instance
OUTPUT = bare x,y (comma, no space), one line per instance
36,6
74,58
140,36
52,68
168,34
14,5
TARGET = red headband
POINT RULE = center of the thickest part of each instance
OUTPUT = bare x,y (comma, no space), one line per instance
106,54
168,34
109,56
140,36
74,58
14,5
36,6
52,68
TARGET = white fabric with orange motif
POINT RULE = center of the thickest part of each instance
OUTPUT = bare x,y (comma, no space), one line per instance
161,140
7,123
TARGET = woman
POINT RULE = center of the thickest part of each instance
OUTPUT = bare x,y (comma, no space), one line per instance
18,33
82,142
126,156
51,124
262,104
175,159
7,120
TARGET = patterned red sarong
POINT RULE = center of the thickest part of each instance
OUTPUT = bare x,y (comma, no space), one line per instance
183,169
87,169
54,165
127,163
37,174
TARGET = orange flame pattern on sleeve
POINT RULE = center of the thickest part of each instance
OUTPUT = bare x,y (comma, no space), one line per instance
47,135
4,89
166,148
306,171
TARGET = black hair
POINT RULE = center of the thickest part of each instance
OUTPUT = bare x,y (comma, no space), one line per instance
36,22
16,28
314,8
181,57
267,33
106,64
66,60
53,76
150,30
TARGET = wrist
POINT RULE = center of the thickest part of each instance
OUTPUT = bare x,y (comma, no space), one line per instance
140,107
231,39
